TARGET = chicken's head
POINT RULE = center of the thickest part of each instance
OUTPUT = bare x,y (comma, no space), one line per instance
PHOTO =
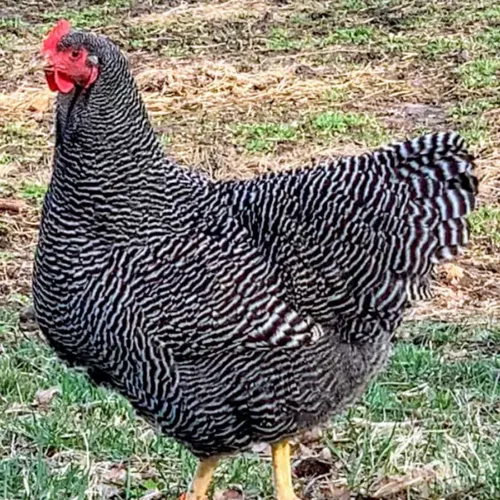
69,63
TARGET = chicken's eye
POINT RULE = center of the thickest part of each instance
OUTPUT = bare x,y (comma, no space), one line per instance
75,54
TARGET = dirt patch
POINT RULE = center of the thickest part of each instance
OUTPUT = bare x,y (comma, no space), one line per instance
412,115
216,11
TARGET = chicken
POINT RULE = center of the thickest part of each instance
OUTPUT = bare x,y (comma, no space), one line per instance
236,312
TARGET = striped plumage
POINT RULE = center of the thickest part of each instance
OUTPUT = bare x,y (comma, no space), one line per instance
232,312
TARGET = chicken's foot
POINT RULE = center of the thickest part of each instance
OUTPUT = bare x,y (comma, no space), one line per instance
201,481
282,471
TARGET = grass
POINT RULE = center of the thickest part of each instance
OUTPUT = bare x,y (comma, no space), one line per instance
471,116
280,39
359,126
34,192
480,73
93,16
359,35
239,88
486,224
264,136
436,404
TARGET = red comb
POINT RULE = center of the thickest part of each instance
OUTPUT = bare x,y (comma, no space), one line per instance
61,29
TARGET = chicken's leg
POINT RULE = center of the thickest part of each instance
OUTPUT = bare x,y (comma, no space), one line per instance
283,471
201,481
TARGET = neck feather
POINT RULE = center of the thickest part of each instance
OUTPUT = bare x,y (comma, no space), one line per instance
110,176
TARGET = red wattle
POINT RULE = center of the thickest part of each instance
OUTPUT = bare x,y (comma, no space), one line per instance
51,81
94,73
64,84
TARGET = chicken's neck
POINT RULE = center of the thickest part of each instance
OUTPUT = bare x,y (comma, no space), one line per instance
111,180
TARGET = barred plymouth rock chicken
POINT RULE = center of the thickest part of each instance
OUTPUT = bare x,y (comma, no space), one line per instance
236,312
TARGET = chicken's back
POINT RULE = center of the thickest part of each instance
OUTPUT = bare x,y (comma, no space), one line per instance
353,239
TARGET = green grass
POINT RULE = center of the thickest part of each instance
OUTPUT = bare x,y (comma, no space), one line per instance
15,130
322,128
360,126
358,35
93,16
5,159
338,122
468,116
33,192
441,45
473,107
480,73
485,223
16,136
11,22
6,257
430,407
490,14
281,39
263,137
84,425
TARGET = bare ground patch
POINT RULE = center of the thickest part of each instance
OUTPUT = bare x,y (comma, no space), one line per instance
197,100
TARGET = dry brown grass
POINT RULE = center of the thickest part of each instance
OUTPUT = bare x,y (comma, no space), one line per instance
215,11
219,89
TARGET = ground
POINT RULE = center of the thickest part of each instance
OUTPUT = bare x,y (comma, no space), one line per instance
237,88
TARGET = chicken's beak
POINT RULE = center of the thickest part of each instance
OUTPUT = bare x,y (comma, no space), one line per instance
41,62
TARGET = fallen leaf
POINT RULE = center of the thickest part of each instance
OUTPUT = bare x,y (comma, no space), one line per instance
305,451
326,488
231,494
44,397
27,321
312,436
40,103
454,273
116,474
152,495
326,455
106,492
340,494
12,205
398,484
148,473
27,314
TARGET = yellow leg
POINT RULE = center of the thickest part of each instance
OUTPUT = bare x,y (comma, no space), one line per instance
283,471
201,481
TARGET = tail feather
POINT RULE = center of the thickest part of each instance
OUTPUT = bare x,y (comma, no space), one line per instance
440,173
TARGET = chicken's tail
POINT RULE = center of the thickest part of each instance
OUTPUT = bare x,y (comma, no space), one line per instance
438,171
